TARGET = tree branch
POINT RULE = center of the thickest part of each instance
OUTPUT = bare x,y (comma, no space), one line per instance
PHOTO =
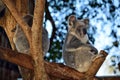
54,69
18,18
37,29
36,47
48,16
16,58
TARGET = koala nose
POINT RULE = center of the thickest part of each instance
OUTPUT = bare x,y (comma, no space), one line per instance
84,31
94,51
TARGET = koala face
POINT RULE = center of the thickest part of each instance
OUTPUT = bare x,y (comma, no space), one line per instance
78,28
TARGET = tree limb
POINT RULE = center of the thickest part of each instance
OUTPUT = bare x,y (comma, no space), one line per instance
16,58
36,46
53,69
48,16
63,72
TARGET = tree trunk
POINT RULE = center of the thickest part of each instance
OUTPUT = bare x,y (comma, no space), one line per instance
36,50
33,38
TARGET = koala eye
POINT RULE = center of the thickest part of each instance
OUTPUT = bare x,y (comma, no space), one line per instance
92,50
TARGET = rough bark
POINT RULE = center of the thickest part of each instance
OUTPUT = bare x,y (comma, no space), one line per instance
53,69
36,50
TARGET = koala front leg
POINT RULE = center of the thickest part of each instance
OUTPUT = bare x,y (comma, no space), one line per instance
96,57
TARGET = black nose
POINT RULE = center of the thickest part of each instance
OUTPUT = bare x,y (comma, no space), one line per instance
84,31
94,51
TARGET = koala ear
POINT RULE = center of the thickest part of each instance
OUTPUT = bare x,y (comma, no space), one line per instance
28,19
86,21
71,20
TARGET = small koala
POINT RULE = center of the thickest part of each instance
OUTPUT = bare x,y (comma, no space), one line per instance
22,45
21,41
78,53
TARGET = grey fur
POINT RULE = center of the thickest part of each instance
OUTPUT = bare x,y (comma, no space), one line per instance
22,45
21,41
78,53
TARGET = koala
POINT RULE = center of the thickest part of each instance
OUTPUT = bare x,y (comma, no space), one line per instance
20,39
22,45
78,53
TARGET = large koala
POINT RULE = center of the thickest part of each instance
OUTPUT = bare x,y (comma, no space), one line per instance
78,53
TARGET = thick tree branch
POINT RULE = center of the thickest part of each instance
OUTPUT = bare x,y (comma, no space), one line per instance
53,69
36,47
16,58
37,28
63,72
18,18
